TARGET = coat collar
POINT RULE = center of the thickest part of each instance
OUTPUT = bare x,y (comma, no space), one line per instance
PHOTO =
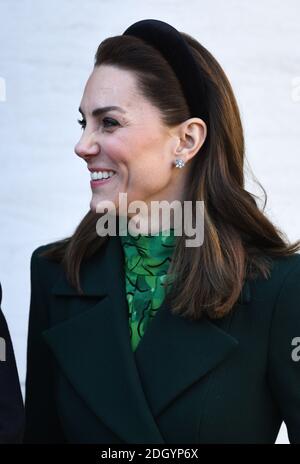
93,349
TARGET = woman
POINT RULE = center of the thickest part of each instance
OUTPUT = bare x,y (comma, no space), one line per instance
11,401
139,338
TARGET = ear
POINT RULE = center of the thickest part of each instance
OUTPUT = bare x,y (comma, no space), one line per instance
191,134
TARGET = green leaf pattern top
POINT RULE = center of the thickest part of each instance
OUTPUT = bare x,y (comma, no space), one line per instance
147,259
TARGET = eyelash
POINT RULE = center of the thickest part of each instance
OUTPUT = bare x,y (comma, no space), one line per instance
82,122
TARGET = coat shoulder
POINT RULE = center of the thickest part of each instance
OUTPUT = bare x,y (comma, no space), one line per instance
45,268
288,269
279,295
281,267
286,263
286,272
37,254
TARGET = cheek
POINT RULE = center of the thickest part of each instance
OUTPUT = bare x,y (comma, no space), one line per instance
147,176
142,167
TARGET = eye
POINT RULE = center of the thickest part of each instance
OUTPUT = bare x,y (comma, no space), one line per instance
107,122
113,122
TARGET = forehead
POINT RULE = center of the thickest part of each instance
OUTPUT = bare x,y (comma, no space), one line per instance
108,85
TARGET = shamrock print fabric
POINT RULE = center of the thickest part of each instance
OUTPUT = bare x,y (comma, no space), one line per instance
147,259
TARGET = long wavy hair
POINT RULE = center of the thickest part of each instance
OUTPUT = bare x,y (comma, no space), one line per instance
240,242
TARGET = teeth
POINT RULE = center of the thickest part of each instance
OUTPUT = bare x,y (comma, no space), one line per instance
101,175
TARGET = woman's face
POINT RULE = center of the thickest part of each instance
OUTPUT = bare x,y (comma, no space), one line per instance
132,142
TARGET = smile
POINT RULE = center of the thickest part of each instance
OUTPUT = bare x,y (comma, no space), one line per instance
99,175
98,179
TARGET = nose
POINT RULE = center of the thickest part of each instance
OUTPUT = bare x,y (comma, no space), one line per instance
86,146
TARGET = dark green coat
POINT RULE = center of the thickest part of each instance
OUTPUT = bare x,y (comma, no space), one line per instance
228,381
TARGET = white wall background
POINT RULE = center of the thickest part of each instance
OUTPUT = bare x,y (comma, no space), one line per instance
46,55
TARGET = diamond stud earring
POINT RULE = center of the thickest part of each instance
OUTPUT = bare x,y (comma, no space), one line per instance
179,163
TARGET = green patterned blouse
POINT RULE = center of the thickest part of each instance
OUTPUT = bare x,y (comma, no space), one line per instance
147,259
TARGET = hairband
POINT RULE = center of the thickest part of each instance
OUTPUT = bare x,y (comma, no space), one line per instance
176,51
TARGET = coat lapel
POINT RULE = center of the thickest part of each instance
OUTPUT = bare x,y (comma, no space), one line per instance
127,389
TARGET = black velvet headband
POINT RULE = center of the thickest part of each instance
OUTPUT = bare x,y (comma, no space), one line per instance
175,50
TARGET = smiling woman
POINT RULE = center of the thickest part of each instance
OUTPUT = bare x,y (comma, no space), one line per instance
142,338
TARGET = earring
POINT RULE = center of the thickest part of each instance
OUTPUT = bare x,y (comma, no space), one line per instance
179,163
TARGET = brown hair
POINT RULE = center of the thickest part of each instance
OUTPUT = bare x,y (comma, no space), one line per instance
239,240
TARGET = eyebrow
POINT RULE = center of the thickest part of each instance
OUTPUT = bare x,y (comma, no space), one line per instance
98,111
